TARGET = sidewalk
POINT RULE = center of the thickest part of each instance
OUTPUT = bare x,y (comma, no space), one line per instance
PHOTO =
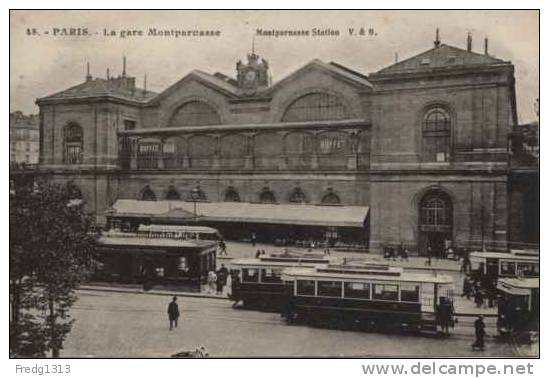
138,289
246,250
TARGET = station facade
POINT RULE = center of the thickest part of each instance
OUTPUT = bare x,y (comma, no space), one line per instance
421,145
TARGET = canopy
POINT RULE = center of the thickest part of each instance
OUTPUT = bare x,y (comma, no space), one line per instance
292,214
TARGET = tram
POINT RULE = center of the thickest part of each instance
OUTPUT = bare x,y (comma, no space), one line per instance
257,282
369,296
518,306
487,267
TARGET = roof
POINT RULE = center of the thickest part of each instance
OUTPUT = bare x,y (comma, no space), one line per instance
295,214
251,262
99,87
176,228
441,57
132,240
314,273
518,286
505,255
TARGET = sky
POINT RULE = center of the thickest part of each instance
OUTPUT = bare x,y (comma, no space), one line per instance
46,63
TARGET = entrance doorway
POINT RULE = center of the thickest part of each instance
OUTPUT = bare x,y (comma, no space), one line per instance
435,223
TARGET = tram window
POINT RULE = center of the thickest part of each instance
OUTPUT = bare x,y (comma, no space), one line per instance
508,268
357,290
305,287
409,293
250,275
385,292
270,275
528,269
329,289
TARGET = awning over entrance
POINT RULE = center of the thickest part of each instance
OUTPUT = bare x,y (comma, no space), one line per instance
292,214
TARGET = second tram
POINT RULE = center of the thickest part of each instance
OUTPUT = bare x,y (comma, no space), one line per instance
369,296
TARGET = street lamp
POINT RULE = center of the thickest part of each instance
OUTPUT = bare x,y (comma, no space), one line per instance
195,196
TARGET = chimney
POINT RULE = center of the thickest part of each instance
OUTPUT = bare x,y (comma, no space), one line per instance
108,74
485,46
469,42
145,85
88,76
396,57
124,66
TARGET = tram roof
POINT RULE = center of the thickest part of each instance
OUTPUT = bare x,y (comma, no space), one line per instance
518,286
513,255
251,262
153,242
176,228
315,273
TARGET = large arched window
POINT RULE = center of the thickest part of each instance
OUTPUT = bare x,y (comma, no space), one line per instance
172,194
231,195
316,107
436,131
436,212
331,199
195,113
73,144
148,194
267,196
297,196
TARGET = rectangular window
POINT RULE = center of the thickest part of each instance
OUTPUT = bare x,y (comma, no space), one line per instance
270,275
357,290
305,287
250,275
129,124
528,269
508,268
409,292
385,292
329,289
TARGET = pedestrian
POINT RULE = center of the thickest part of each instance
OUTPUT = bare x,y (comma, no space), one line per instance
444,313
173,313
479,333
479,298
467,287
404,255
429,255
222,274
257,254
326,251
212,279
262,252
222,248
253,239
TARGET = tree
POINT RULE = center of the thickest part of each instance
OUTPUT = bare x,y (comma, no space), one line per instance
51,253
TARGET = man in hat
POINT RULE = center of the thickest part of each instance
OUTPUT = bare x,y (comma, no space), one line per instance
173,313
479,333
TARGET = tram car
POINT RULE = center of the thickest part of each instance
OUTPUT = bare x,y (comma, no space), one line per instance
518,305
488,267
369,296
257,282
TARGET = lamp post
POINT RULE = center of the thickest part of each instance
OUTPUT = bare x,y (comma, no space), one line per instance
195,196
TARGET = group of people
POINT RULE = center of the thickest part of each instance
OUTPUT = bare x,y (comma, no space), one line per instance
217,280
389,252
483,294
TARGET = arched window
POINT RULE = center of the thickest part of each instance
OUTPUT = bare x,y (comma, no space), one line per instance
436,212
297,196
331,199
172,194
73,144
231,195
267,196
436,130
148,194
195,113
316,107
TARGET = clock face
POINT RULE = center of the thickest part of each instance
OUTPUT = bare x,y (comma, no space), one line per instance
250,76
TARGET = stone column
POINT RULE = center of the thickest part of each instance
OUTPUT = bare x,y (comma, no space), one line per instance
134,145
249,158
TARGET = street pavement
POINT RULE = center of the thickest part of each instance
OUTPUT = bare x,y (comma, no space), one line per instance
114,324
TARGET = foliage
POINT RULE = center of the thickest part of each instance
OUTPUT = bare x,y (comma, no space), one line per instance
51,251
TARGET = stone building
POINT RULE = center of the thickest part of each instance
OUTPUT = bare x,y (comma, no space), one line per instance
421,145
24,148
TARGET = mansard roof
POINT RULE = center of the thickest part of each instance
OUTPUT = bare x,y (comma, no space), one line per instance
98,87
440,58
